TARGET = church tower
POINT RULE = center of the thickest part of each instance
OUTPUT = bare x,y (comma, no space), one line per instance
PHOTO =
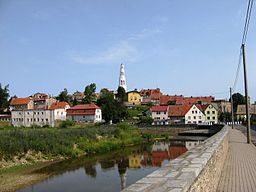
122,81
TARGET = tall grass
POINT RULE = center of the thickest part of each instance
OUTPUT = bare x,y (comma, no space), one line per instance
66,142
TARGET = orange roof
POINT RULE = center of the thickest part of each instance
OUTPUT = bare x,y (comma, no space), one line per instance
178,110
20,101
58,105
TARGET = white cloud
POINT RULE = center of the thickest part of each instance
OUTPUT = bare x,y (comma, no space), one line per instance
121,52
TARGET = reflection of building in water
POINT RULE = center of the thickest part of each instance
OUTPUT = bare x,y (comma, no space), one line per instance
122,170
134,161
90,170
107,164
192,144
176,151
164,151
160,152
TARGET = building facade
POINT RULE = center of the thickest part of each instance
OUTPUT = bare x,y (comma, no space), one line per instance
211,114
194,115
133,97
39,117
159,114
87,113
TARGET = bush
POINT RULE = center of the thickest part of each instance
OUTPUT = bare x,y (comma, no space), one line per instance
146,120
67,123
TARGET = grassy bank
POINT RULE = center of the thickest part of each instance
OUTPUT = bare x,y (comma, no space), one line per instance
53,142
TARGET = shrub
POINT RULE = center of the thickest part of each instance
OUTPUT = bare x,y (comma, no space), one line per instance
67,123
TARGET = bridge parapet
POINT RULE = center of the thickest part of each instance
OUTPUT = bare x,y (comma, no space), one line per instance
198,169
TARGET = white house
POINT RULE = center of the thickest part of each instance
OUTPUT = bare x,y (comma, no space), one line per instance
39,117
194,115
159,114
87,113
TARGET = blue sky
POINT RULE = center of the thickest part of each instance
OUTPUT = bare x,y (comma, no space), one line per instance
182,47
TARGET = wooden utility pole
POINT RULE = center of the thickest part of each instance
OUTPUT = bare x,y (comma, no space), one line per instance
232,109
247,98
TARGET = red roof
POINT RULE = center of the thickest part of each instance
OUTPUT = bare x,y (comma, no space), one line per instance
20,101
154,94
86,109
196,100
58,105
159,108
84,106
164,99
178,110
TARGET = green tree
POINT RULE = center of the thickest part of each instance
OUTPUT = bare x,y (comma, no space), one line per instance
4,95
121,95
111,108
89,94
238,99
63,96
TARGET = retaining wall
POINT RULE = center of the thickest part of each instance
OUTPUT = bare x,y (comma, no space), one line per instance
197,170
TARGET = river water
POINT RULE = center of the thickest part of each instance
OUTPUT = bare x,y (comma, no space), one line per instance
109,172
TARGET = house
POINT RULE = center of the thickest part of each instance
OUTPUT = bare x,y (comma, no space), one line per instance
241,112
42,101
21,104
171,100
223,105
150,95
6,117
133,97
177,113
211,114
60,110
159,114
197,100
85,113
78,96
39,117
186,114
195,115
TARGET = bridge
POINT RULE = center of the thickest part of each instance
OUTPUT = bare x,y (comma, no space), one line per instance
223,162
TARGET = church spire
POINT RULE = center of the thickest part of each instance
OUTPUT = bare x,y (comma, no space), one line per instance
122,81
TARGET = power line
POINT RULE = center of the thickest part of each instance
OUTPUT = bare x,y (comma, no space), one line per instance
244,37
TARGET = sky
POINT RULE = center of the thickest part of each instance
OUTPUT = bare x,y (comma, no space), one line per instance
182,47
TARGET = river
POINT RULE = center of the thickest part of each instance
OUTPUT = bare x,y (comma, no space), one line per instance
109,172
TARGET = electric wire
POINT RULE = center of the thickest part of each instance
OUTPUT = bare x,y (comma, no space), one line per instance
244,37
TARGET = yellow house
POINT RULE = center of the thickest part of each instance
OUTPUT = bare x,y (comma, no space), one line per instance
133,97
134,161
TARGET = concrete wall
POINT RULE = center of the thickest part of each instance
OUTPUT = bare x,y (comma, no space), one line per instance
197,170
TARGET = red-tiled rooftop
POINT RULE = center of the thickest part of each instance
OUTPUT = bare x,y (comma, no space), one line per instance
20,101
159,108
178,110
58,105
164,99
84,106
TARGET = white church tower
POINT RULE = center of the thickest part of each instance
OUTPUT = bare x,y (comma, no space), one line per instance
122,81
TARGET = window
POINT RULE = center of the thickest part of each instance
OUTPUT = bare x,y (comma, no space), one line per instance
194,117
192,112
208,112
34,113
42,113
213,112
27,120
189,117
46,119
37,113
42,120
200,117
28,113
208,118
196,112
61,113
38,119
213,118
57,112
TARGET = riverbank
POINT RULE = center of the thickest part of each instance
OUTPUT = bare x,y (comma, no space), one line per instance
24,150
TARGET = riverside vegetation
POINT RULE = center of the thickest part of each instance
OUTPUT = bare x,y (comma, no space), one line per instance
65,142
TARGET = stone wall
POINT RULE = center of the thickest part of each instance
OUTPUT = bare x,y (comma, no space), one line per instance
198,169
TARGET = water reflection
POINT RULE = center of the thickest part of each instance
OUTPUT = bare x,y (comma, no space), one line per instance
110,172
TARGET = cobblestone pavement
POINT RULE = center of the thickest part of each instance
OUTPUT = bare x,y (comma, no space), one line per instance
239,171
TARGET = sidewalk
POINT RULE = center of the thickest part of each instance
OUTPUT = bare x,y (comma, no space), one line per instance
239,171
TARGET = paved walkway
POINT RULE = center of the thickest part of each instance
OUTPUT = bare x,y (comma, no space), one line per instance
239,171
